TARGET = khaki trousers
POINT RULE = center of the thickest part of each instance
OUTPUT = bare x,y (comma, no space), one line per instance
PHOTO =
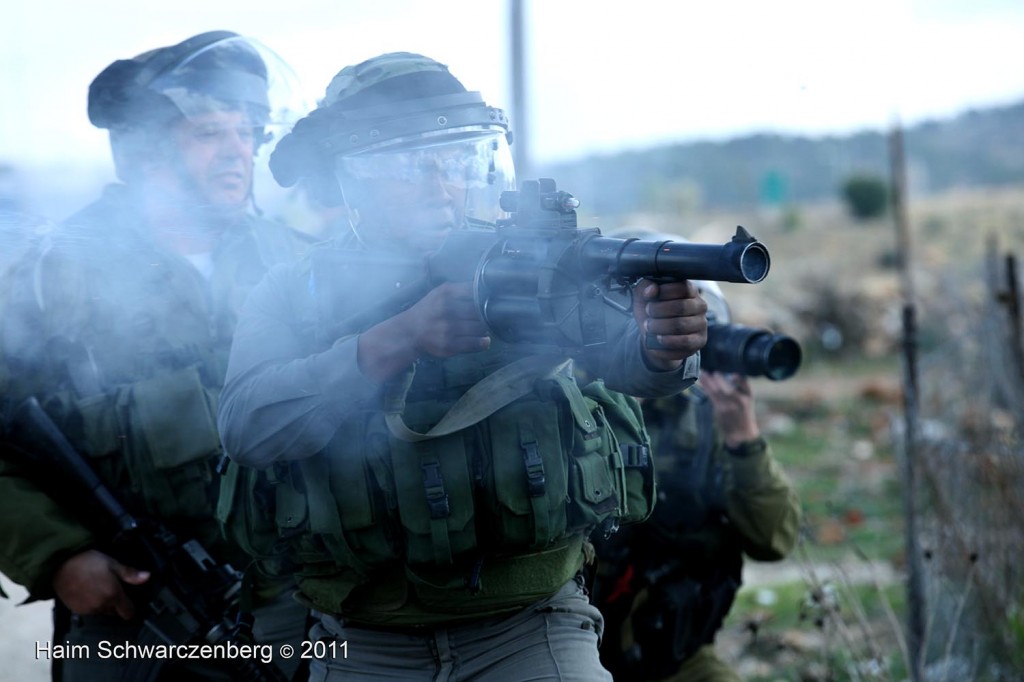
554,640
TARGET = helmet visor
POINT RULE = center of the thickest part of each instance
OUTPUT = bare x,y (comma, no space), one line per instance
236,74
475,160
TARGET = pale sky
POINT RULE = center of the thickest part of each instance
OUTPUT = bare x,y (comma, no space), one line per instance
602,76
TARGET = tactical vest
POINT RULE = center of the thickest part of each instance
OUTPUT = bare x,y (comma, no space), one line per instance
469,521
666,587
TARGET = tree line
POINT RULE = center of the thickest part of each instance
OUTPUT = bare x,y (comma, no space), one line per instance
972,149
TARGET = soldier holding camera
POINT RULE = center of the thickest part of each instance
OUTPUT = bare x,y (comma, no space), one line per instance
665,586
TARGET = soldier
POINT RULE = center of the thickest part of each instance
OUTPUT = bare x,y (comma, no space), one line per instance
453,554
120,320
665,586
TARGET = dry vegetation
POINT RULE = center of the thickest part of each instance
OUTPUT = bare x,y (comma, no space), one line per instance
836,611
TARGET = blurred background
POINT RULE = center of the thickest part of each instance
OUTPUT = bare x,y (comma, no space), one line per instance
876,147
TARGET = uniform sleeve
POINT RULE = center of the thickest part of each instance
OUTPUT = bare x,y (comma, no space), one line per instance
625,370
279,402
760,500
36,534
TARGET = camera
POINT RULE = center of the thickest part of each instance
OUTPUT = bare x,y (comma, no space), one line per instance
733,348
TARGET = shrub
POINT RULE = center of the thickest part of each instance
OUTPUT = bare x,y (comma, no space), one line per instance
866,196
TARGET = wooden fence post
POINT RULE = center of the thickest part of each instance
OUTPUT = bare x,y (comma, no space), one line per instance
915,570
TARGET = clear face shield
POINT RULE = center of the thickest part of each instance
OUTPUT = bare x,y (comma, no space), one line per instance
236,93
237,75
469,166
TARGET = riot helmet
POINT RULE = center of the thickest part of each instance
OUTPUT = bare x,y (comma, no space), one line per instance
137,99
400,120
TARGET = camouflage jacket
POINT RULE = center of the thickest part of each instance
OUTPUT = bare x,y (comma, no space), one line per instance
125,345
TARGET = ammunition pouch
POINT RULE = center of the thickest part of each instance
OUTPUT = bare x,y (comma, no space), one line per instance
156,438
550,465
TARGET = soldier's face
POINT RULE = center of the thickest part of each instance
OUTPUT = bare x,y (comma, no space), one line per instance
215,152
418,214
413,197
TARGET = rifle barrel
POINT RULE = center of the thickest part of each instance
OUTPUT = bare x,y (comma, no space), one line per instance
55,448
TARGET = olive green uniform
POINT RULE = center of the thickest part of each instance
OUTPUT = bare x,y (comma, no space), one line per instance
446,558
665,586
125,345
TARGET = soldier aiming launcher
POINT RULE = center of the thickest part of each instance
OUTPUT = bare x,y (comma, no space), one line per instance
189,599
540,280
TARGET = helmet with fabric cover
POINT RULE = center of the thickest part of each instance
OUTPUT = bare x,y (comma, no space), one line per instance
137,98
399,116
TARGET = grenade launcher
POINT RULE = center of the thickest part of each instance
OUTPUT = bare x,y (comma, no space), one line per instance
538,279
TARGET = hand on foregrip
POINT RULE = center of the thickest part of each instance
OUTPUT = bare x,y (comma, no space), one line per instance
91,583
672,316
445,322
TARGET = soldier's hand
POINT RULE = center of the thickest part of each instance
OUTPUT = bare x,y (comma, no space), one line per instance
443,323
446,322
90,583
674,313
733,404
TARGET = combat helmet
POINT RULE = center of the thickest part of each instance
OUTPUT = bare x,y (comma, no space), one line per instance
135,99
390,117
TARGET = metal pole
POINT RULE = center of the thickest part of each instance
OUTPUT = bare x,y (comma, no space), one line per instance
520,100
1013,309
916,605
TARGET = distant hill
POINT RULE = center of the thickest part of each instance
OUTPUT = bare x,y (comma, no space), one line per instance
981,147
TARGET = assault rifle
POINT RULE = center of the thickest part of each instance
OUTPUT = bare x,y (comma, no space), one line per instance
189,598
538,279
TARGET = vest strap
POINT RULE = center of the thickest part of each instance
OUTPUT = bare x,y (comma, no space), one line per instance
440,510
324,518
487,396
536,484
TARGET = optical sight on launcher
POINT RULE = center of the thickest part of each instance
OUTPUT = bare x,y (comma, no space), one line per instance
538,279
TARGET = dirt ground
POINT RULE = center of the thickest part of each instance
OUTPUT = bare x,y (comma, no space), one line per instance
21,627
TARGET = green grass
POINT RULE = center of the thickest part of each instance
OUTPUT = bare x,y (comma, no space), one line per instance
816,456
852,511
840,401
794,606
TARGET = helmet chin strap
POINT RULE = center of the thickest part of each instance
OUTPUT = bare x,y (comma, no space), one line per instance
352,216
251,198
